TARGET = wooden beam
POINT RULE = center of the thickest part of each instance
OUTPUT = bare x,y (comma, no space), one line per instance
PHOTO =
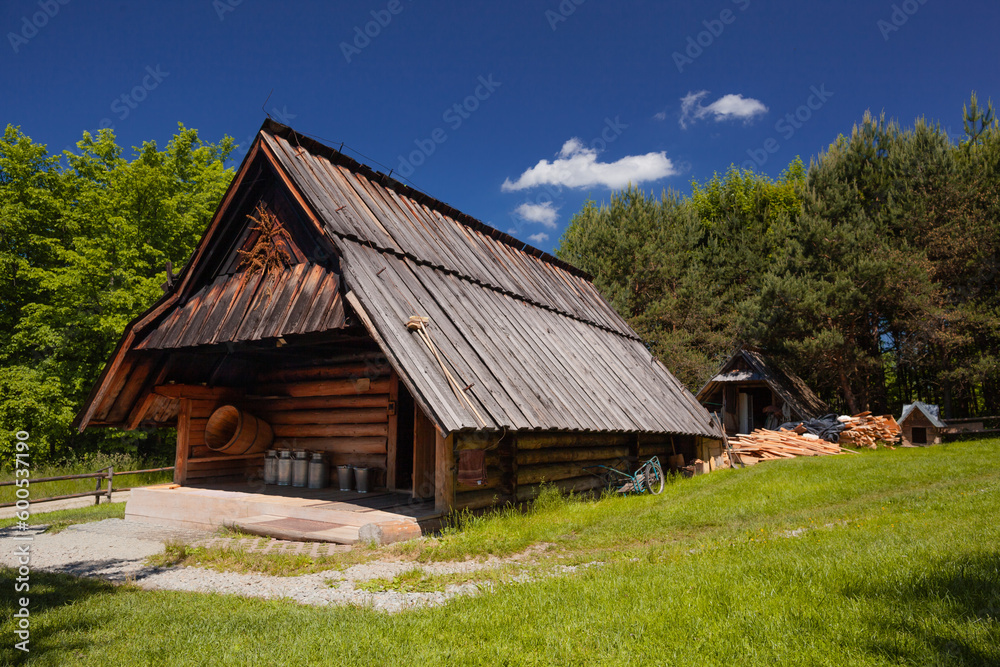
266,404
329,430
349,387
196,391
148,397
100,390
393,412
339,416
140,410
424,451
444,472
183,442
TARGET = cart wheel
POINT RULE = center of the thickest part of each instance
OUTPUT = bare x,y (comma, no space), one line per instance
654,477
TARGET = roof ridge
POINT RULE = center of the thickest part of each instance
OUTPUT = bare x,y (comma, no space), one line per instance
317,148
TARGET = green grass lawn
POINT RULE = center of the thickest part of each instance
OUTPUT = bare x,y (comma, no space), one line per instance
888,558
59,519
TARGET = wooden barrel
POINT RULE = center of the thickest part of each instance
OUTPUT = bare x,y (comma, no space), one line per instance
233,431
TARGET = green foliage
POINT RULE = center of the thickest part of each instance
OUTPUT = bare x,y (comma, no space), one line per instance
83,249
873,273
678,268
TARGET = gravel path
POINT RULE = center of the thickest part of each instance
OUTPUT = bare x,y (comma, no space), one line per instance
116,550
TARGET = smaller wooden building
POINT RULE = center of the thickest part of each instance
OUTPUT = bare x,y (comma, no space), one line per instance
750,387
921,424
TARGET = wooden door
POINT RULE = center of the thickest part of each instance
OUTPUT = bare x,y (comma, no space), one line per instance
424,444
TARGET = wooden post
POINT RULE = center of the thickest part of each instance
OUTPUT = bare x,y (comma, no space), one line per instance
633,451
444,473
183,441
390,459
424,450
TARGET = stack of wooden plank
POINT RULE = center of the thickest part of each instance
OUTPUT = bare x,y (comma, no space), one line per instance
867,430
764,445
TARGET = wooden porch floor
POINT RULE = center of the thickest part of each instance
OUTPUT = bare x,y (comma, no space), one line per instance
320,515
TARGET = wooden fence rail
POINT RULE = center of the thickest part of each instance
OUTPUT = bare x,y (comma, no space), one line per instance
104,474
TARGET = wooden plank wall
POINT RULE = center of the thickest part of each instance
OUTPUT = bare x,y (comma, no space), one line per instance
517,465
500,483
338,408
204,465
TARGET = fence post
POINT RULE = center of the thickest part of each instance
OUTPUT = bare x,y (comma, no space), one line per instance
111,479
97,487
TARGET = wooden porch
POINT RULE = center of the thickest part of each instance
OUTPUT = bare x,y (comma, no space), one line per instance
314,515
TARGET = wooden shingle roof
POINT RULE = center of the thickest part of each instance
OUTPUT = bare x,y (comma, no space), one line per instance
759,368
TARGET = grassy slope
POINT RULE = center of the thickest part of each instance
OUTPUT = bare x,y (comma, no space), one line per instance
899,563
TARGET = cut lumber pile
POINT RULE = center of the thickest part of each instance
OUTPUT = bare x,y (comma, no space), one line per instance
867,430
764,445
861,430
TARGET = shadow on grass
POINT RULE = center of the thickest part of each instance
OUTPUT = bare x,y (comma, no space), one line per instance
48,591
948,609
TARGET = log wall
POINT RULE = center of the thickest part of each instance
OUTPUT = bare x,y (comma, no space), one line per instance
341,409
338,408
518,464
203,465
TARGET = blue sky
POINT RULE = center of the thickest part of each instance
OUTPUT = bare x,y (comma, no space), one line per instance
466,100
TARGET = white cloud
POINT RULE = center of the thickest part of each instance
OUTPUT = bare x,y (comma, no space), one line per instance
577,167
727,107
545,213
662,115
539,238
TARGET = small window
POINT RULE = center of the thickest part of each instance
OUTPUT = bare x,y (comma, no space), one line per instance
919,435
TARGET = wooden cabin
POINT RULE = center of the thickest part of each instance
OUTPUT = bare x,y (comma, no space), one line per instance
922,425
361,318
751,390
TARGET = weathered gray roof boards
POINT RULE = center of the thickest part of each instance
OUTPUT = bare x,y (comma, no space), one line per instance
358,207
535,342
790,387
527,338
932,412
